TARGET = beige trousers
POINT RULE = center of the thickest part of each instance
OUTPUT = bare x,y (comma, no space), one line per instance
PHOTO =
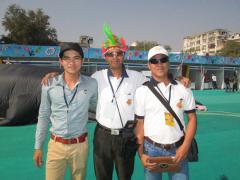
60,156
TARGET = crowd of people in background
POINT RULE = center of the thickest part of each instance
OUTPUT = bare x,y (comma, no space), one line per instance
231,83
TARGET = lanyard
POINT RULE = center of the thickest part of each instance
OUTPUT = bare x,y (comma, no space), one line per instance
115,97
163,95
65,98
117,87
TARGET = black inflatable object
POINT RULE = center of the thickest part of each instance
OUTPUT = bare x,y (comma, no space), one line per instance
20,92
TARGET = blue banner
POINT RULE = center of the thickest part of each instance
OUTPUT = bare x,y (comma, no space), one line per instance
21,51
25,51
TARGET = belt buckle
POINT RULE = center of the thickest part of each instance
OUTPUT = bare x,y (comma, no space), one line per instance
167,146
114,132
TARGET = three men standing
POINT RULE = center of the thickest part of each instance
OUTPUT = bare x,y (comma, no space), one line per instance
66,100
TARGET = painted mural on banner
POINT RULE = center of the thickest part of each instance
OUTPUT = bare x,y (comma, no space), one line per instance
13,50
21,51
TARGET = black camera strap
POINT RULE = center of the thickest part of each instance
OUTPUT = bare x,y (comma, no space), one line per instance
165,103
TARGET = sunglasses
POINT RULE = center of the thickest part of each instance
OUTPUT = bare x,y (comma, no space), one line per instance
115,53
156,61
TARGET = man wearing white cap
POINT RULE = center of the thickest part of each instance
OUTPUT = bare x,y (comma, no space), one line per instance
157,131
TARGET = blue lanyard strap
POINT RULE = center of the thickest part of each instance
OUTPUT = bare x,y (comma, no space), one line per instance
115,96
114,93
65,98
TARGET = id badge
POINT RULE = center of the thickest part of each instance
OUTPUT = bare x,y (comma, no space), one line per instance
109,110
169,120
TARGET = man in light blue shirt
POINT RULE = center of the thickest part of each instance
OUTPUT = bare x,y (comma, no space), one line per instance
64,104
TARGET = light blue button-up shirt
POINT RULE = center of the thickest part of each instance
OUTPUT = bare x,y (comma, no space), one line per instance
66,121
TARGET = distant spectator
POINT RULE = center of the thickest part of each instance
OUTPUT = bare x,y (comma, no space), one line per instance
235,84
227,84
214,81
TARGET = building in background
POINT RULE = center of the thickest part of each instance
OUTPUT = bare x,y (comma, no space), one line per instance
235,37
208,43
85,41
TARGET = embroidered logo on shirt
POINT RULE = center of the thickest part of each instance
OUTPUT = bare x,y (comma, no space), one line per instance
179,104
129,102
84,91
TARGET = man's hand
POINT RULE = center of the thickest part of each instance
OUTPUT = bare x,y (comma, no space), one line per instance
184,81
38,157
146,163
47,77
181,153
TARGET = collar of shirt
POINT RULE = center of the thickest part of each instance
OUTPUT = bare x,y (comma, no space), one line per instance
155,82
124,72
61,82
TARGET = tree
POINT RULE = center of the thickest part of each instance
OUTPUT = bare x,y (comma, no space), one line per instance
144,45
230,49
28,27
168,48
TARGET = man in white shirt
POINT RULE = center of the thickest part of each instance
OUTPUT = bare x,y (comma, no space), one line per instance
214,81
157,131
116,89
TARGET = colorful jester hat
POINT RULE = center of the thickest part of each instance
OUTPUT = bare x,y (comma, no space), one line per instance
112,40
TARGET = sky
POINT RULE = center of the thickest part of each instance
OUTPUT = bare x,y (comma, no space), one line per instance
166,22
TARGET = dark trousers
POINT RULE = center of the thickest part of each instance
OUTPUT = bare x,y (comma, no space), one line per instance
214,84
235,87
107,154
228,87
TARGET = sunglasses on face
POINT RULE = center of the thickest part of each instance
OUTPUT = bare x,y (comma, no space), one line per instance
116,54
156,61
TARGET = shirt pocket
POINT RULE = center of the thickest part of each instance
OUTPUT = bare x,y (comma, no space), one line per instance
126,101
82,97
57,98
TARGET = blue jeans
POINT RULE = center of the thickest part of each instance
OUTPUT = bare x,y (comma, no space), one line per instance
152,150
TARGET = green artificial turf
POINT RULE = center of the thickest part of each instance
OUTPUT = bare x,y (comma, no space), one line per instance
218,137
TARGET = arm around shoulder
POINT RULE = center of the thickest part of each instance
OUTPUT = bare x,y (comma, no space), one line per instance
94,97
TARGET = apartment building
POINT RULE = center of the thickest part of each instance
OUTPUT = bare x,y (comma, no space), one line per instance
235,37
206,43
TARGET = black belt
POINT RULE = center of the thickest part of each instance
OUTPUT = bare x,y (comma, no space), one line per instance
165,146
109,130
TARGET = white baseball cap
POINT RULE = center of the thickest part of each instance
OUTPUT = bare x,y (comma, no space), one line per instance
157,50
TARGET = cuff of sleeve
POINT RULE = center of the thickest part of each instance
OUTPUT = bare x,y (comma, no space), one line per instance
139,117
190,111
37,146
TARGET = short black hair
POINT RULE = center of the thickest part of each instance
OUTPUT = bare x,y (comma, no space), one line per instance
71,46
